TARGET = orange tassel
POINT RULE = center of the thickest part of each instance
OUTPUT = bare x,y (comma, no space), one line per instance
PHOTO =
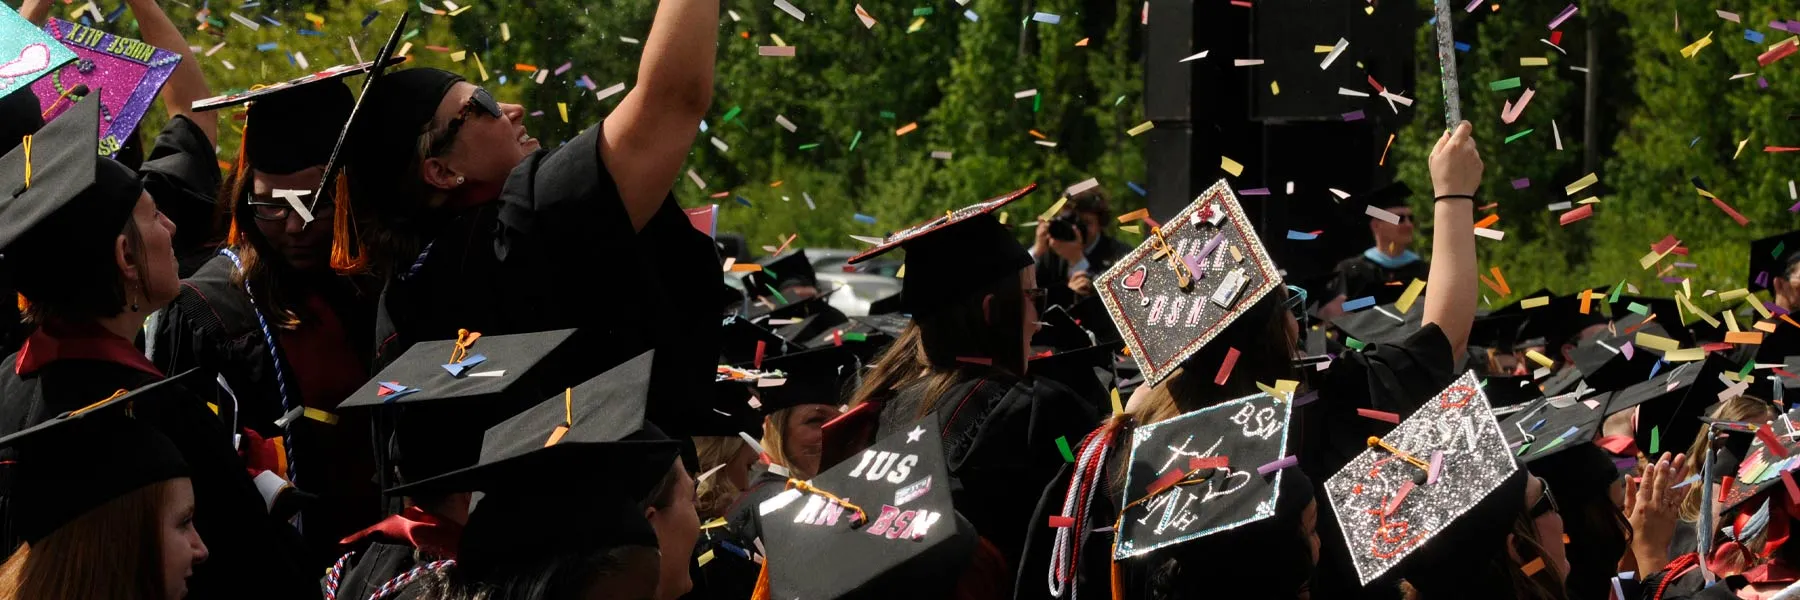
1118,581
762,583
348,255
24,305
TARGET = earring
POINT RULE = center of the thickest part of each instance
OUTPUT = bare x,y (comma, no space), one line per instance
134,304
459,180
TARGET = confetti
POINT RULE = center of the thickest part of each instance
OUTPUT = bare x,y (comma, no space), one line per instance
1336,51
1231,166
1695,47
1142,127
609,91
1047,18
908,128
1510,112
791,10
1504,84
1200,55
776,51
1563,16
867,21
1225,367
1582,184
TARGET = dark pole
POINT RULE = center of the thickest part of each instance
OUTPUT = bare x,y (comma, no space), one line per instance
1590,129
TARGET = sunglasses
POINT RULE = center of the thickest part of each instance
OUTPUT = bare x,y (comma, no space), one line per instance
480,102
274,209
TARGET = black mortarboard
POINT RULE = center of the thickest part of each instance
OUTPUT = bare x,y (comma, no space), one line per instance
1379,488
1058,331
1215,455
728,412
954,256
909,542
1668,317
79,460
1561,321
1392,195
800,318
1511,391
738,342
817,376
1762,468
69,209
293,125
866,335
1673,401
1382,324
1091,313
888,305
440,408
1497,330
1602,358
791,268
20,116
1553,425
1081,368
1771,258
1212,244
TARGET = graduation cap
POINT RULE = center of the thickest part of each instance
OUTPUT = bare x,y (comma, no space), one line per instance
1094,316
803,319
1667,316
889,305
28,53
1059,331
80,460
880,524
1496,330
816,376
865,335
1602,359
1392,195
1765,466
1552,425
1672,402
442,396
1187,282
1771,258
1204,472
1382,324
1511,391
70,208
1560,322
123,73
1389,506
728,411
789,269
296,121
739,340
954,256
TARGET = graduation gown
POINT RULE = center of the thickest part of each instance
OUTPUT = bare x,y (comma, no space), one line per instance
742,519
396,545
1358,276
214,324
999,437
557,251
64,367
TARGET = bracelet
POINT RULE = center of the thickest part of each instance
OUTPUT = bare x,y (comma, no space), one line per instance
1469,197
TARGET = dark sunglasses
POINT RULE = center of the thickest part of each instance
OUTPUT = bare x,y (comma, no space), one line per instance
1546,502
479,102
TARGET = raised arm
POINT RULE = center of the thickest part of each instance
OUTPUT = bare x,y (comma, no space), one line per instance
187,84
647,138
35,11
1451,298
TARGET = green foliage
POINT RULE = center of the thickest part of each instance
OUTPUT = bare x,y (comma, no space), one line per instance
1661,119
848,90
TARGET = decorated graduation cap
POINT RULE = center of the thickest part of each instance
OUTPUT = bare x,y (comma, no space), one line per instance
295,122
27,52
1202,473
880,524
82,459
1772,258
815,376
1552,425
954,256
124,74
61,204
1673,401
1187,282
441,395
1390,505
1773,454
788,269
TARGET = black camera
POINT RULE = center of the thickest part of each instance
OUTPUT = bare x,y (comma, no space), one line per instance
1066,227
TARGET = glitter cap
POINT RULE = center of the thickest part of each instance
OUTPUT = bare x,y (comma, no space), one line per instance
1388,505
1190,279
120,73
1202,473
1763,468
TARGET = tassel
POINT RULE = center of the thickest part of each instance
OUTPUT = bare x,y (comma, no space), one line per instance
348,255
762,583
24,305
1118,579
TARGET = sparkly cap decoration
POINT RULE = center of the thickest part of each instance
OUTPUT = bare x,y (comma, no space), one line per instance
1409,487
125,74
1189,280
1204,472
27,52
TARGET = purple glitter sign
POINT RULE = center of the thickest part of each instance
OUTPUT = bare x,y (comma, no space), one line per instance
126,73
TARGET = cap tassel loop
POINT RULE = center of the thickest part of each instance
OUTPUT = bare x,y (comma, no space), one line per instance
861,517
465,339
79,411
568,419
25,143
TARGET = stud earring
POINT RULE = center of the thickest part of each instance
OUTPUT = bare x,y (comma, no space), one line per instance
459,180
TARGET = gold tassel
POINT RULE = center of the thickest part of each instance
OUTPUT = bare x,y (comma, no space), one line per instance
348,255
1118,580
762,583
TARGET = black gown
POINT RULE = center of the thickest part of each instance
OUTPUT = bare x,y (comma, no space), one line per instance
1325,434
1358,276
389,549
557,251
71,366
999,440
214,325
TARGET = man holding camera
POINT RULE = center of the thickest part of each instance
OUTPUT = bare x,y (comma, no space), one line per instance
1073,248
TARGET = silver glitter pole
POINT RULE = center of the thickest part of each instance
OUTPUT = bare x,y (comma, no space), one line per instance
1706,505
1446,54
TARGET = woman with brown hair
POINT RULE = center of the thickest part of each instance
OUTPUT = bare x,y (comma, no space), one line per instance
93,257
795,413
960,367
280,319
